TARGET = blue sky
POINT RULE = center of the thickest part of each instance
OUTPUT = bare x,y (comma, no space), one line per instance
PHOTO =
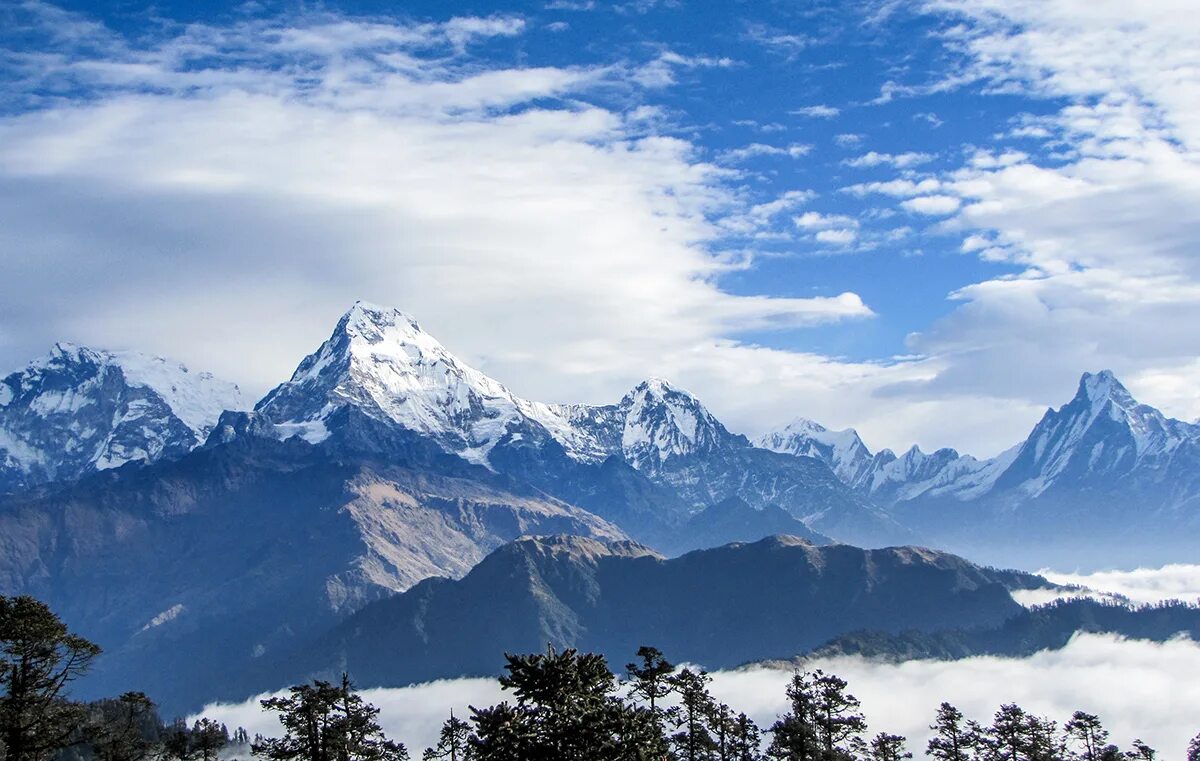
924,219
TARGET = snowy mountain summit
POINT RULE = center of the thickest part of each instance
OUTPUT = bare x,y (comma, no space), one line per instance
81,410
843,451
380,362
1103,432
1101,435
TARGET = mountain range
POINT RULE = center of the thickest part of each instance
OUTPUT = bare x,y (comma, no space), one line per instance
1101,480
196,539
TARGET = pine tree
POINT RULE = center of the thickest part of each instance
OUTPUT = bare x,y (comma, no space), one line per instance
453,742
1141,751
1087,733
176,741
326,723
1043,742
567,709
836,716
650,682
122,729
888,747
694,739
745,740
1008,736
207,739
39,658
1193,752
954,739
794,735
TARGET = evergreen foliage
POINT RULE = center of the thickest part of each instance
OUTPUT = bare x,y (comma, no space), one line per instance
39,658
324,722
565,706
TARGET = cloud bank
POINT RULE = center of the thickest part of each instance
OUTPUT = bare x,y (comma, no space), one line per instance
1143,585
1124,682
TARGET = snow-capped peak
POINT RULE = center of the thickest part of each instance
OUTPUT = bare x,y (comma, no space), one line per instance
79,409
1099,388
663,421
843,451
379,360
1103,429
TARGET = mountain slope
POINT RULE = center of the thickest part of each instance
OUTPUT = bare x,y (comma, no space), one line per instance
379,361
720,607
647,462
884,477
1102,434
80,410
188,571
671,437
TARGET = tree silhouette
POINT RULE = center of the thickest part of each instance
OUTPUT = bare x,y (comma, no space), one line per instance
836,716
207,739
454,742
745,741
954,738
793,735
1007,739
694,739
323,722
1088,735
124,729
567,709
39,658
649,680
888,747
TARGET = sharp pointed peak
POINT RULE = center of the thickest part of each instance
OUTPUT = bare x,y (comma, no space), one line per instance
365,315
1103,386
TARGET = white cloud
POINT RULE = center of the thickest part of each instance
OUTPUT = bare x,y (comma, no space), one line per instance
1121,681
227,213
756,150
1099,217
934,205
837,237
819,111
898,160
901,187
811,220
1143,585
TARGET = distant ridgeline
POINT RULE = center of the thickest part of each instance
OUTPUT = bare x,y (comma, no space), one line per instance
383,492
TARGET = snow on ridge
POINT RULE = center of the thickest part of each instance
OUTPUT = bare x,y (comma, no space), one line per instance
196,398
381,360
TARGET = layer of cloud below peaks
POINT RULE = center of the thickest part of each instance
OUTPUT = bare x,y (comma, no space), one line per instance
1124,682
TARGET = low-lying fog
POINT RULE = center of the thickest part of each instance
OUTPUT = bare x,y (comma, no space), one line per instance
1140,689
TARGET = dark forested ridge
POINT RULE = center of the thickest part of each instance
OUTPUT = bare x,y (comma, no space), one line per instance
720,607
563,706
1046,627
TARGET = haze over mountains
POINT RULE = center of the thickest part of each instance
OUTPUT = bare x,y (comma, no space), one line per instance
142,502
